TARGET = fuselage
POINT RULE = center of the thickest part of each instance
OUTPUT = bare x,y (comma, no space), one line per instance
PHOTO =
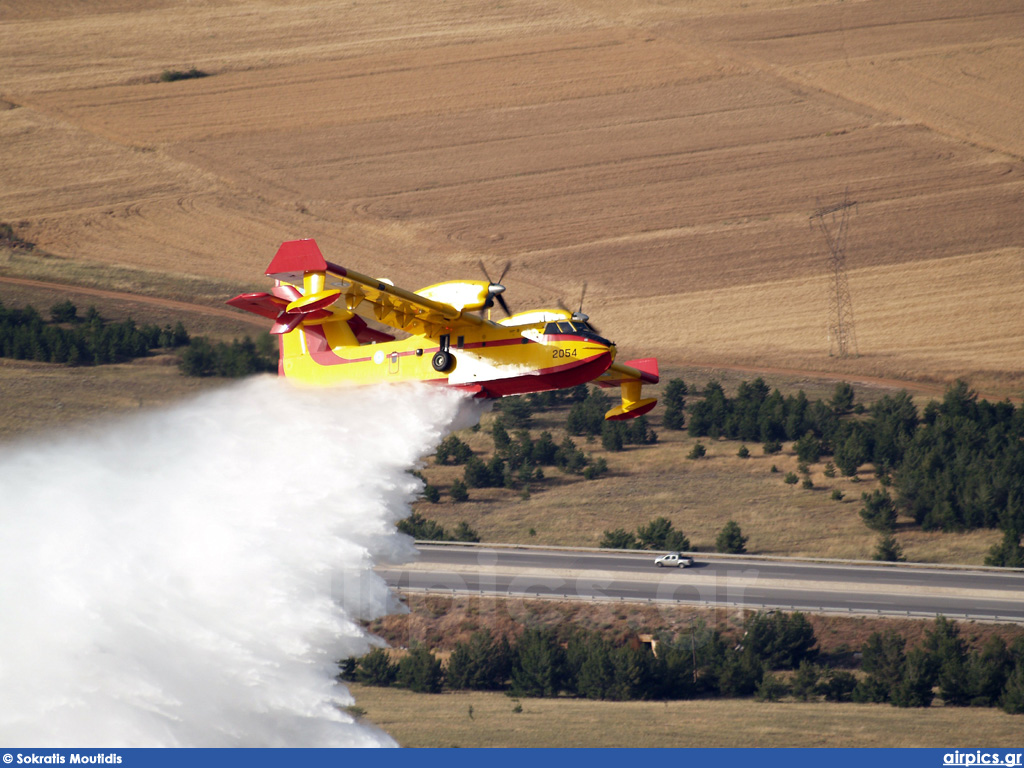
495,360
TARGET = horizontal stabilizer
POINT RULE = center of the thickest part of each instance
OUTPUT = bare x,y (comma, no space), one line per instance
262,304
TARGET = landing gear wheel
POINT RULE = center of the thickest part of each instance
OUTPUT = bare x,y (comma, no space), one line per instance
443,362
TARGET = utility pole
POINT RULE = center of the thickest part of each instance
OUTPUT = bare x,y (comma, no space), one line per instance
833,221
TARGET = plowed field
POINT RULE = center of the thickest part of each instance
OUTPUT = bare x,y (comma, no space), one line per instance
670,154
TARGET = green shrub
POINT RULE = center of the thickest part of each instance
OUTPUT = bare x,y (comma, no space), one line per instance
620,538
595,469
459,492
172,75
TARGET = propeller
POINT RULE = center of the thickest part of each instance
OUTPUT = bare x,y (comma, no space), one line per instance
579,316
495,288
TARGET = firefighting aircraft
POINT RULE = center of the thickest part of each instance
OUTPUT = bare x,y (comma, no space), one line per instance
323,341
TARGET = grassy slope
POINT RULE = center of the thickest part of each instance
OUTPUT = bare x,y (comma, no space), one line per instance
698,496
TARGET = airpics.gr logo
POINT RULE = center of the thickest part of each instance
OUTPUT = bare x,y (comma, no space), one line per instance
978,757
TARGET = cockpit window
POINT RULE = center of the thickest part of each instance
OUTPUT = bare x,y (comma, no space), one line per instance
566,328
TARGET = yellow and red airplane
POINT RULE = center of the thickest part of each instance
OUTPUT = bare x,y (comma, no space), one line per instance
323,341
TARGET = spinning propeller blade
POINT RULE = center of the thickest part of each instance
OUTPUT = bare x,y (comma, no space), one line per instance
579,316
495,288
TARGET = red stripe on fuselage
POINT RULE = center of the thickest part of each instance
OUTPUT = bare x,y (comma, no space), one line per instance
542,380
538,380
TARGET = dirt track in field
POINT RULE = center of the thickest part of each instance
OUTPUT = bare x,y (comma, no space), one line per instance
133,298
668,155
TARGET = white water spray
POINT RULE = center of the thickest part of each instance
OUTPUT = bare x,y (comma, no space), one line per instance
166,580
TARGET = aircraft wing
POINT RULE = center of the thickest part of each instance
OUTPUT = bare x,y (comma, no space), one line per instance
644,370
300,262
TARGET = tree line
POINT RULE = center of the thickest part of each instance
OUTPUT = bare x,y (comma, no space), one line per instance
70,339
775,655
660,534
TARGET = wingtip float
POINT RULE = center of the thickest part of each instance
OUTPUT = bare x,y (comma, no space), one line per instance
316,306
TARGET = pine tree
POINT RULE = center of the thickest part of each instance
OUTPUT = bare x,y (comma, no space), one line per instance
539,665
731,540
1012,700
544,449
948,658
842,398
987,672
779,640
888,549
914,687
659,534
420,671
771,688
376,668
839,685
808,448
458,491
482,664
633,673
515,411
805,681
612,436
1008,553
596,672
883,659
878,512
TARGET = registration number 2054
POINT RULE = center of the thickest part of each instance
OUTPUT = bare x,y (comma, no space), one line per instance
555,353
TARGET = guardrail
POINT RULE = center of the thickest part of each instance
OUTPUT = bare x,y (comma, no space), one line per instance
755,605
720,556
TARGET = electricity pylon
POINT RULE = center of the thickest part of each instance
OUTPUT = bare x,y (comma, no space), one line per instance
833,221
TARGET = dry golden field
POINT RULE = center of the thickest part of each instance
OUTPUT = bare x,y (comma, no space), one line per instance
669,153
445,720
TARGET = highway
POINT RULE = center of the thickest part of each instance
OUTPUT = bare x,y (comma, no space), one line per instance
809,586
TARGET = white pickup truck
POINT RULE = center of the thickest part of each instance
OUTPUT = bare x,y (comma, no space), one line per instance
674,560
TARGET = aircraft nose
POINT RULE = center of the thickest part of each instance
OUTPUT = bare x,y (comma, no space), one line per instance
495,288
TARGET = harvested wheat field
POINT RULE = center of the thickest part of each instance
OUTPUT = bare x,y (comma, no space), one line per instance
668,154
